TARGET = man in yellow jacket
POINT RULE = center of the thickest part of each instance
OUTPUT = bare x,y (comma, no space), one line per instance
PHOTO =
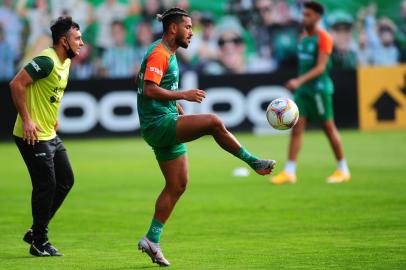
37,90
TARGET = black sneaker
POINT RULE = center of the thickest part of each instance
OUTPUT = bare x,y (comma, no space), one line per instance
44,250
28,237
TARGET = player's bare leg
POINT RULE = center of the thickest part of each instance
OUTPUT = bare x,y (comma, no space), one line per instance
288,175
296,139
192,127
176,177
333,136
342,174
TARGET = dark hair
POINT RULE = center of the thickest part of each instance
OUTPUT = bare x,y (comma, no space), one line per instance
61,27
117,22
172,15
315,6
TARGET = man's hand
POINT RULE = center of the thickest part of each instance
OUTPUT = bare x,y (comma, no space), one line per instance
180,109
293,84
194,95
30,130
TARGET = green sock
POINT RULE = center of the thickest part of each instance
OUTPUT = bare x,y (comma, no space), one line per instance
155,230
246,156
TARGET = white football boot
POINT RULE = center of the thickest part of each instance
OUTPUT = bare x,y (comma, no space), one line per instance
153,250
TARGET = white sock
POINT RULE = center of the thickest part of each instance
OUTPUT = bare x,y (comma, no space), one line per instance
342,166
290,167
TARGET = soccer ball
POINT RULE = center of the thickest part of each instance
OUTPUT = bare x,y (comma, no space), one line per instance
282,113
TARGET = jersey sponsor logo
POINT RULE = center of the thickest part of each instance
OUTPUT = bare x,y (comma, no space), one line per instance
174,86
35,66
54,99
156,70
310,47
305,56
57,90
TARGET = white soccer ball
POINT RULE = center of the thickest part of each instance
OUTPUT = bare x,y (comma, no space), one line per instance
282,113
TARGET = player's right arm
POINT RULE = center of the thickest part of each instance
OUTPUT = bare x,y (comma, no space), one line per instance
154,91
18,88
40,67
325,48
157,64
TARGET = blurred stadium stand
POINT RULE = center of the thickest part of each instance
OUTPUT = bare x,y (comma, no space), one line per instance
234,39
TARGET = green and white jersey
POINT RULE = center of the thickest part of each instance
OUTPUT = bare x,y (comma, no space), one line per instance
308,51
50,77
161,67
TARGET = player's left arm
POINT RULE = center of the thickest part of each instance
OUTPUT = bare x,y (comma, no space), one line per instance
316,71
325,49
180,109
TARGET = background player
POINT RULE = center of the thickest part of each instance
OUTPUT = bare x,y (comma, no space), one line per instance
37,91
166,128
313,95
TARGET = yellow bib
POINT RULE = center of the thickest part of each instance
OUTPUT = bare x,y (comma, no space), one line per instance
44,97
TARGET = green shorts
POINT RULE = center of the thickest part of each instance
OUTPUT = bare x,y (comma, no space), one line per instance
161,136
316,107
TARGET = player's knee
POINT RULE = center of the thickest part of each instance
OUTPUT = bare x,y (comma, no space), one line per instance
182,188
216,123
179,188
69,183
330,128
66,184
297,131
71,180
47,187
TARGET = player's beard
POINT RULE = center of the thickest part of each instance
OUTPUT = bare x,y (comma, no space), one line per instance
69,52
180,41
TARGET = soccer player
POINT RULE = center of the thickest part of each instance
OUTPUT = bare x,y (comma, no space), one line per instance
313,95
37,90
165,127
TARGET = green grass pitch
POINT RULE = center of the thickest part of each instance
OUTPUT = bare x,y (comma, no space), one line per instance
221,222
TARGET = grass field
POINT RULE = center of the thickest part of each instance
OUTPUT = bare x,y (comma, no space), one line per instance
222,222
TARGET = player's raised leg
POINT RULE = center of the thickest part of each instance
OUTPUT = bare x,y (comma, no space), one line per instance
342,173
288,175
192,127
176,177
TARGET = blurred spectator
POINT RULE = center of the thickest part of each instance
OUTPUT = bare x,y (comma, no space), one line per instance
401,34
148,14
6,57
38,18
106,13
265,38
387,52
364,53
344,54
261,31
232,54
203,47
403,17
39,21
82,66
381,39
118,61
242,9
183,4
144,38
80,10
277,32
12,26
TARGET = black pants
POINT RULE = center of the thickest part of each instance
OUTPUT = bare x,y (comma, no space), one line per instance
52,178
